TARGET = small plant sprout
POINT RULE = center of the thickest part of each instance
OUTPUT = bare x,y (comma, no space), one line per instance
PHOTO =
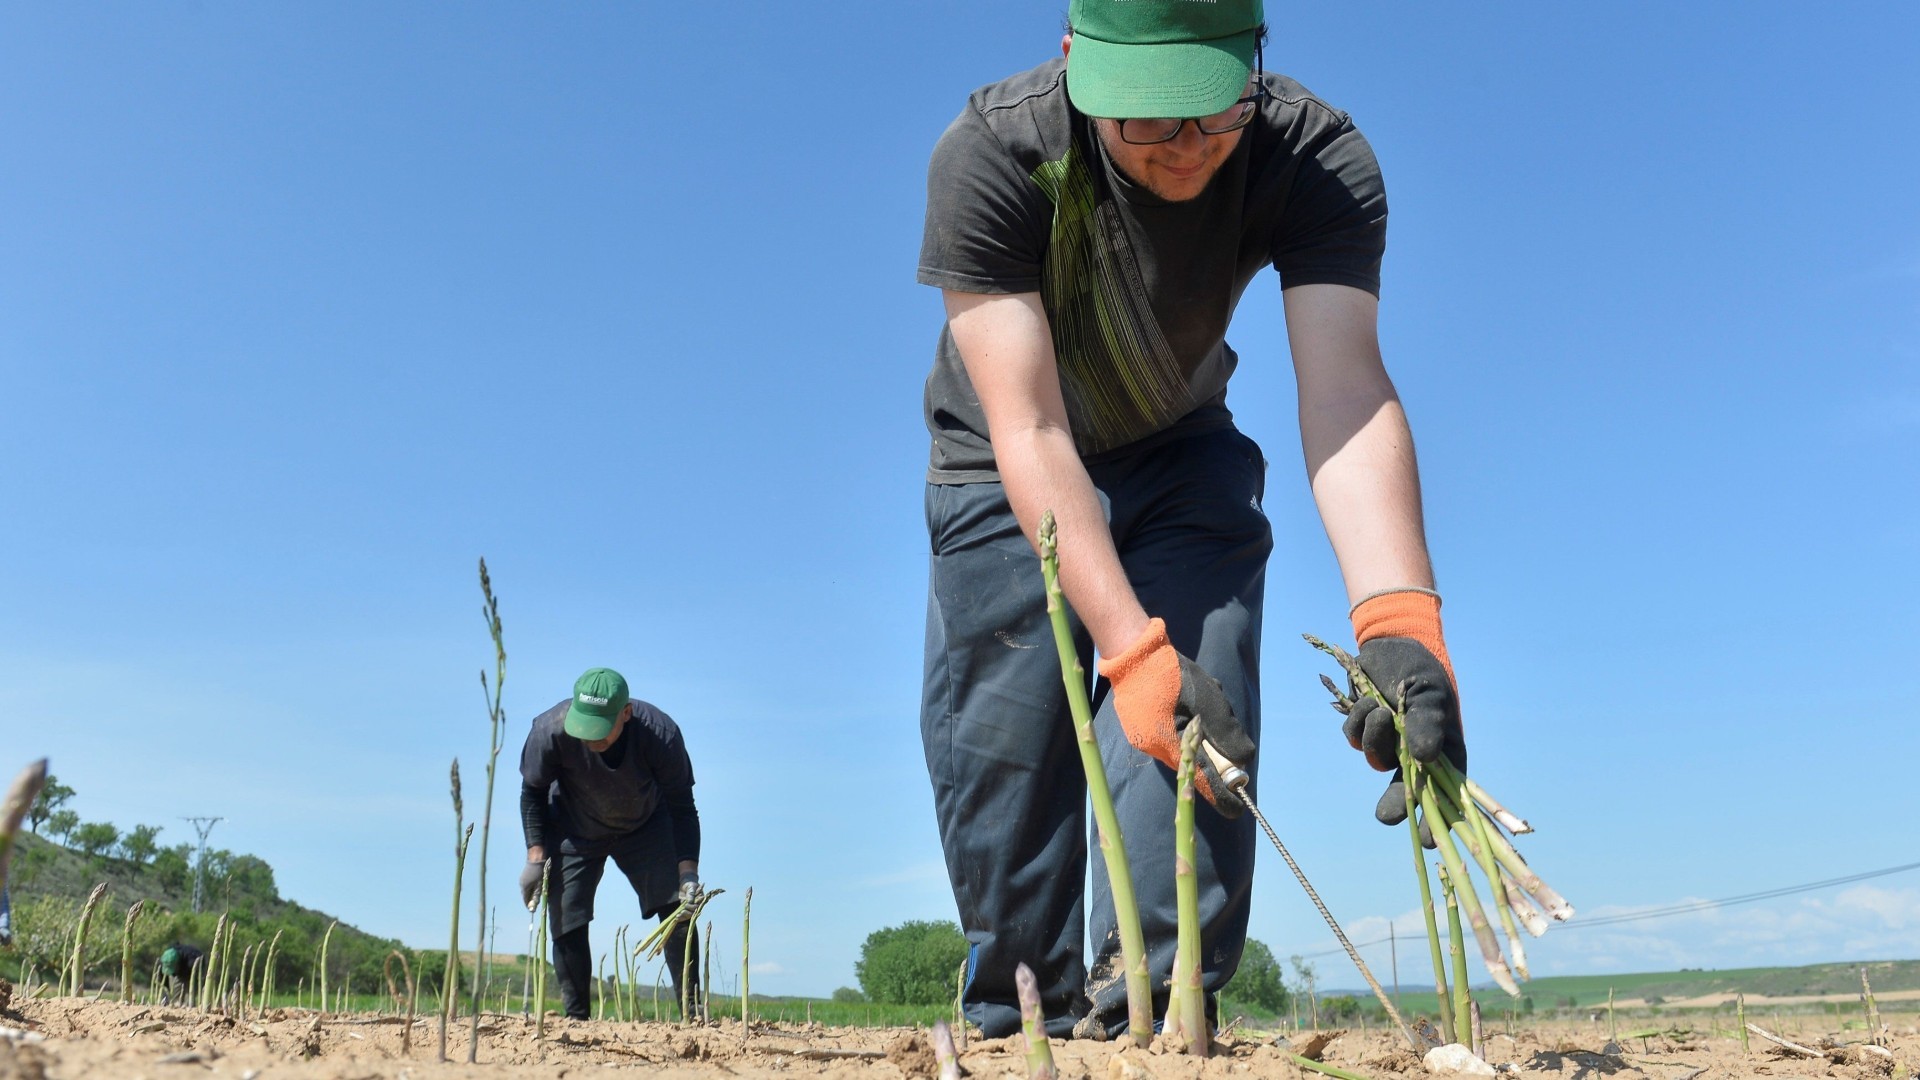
959,1001
496,734
326,939
1033,1024
1113,845
1454,812
401,1005
267,976
944,1052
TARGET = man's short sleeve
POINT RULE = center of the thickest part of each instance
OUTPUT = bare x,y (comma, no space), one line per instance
1334,231
537,765
987,221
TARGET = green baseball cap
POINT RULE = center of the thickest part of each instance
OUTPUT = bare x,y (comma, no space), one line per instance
170,961
1174,58
598,697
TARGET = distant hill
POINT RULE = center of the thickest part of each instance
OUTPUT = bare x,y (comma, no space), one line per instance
1678,988
50,882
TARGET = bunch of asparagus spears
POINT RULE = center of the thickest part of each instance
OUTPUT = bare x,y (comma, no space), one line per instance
1457,814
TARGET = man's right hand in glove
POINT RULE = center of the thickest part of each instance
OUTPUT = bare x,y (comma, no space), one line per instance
1403,652
530,875
1157,692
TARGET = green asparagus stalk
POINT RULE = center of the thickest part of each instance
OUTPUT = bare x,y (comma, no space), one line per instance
959,1000
1442,996
1190,1001
1113,846
126,950
496,737
243,987
706,976
208,964
1475,832
1469,900
226,961
76,964
1033,1024
326,940
687,969
267,977
450,984
1323,1068
540,955
746,940
1462,1032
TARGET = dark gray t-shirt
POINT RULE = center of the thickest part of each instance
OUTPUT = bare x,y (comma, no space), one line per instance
601,797
1138,291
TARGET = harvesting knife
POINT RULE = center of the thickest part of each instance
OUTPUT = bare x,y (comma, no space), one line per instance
1237,780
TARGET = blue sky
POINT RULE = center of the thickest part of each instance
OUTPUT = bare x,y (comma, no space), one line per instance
304,307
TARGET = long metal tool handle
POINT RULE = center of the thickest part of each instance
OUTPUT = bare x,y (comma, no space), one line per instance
1236,778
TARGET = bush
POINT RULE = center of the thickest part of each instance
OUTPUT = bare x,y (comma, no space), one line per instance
911,964
847,995
1258,980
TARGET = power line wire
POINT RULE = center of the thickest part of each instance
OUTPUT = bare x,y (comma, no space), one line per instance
1687,908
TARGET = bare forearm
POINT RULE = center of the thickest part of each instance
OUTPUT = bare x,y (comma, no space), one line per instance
1042,471
1367,485
1359,450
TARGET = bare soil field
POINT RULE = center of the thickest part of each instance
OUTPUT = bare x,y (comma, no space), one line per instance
73,1038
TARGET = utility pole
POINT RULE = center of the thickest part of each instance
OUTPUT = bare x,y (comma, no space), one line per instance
202,825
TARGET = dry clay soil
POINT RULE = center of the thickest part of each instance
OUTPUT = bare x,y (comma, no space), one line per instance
71,1038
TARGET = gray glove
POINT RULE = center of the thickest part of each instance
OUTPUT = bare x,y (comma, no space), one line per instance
689,888
530,875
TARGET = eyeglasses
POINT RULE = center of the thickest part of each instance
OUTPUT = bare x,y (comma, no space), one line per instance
1146,131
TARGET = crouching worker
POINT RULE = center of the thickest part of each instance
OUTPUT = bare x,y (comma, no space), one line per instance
604,776
178,965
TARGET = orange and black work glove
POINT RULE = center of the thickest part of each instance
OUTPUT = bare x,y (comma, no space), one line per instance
1157,693
1402,651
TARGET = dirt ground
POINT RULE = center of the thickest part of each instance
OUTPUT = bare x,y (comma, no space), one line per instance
72,1038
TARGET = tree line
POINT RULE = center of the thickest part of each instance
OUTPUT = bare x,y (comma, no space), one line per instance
918,963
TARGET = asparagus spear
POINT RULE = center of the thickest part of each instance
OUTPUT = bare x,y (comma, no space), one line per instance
1033,1025
1189,1006
1113,846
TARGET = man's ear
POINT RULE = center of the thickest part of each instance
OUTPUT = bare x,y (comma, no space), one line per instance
1066,44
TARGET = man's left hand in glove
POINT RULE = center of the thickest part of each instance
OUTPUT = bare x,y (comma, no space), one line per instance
1403,652
689,887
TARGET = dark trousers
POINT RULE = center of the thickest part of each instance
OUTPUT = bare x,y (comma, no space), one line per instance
647,860
1009,790
573,969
